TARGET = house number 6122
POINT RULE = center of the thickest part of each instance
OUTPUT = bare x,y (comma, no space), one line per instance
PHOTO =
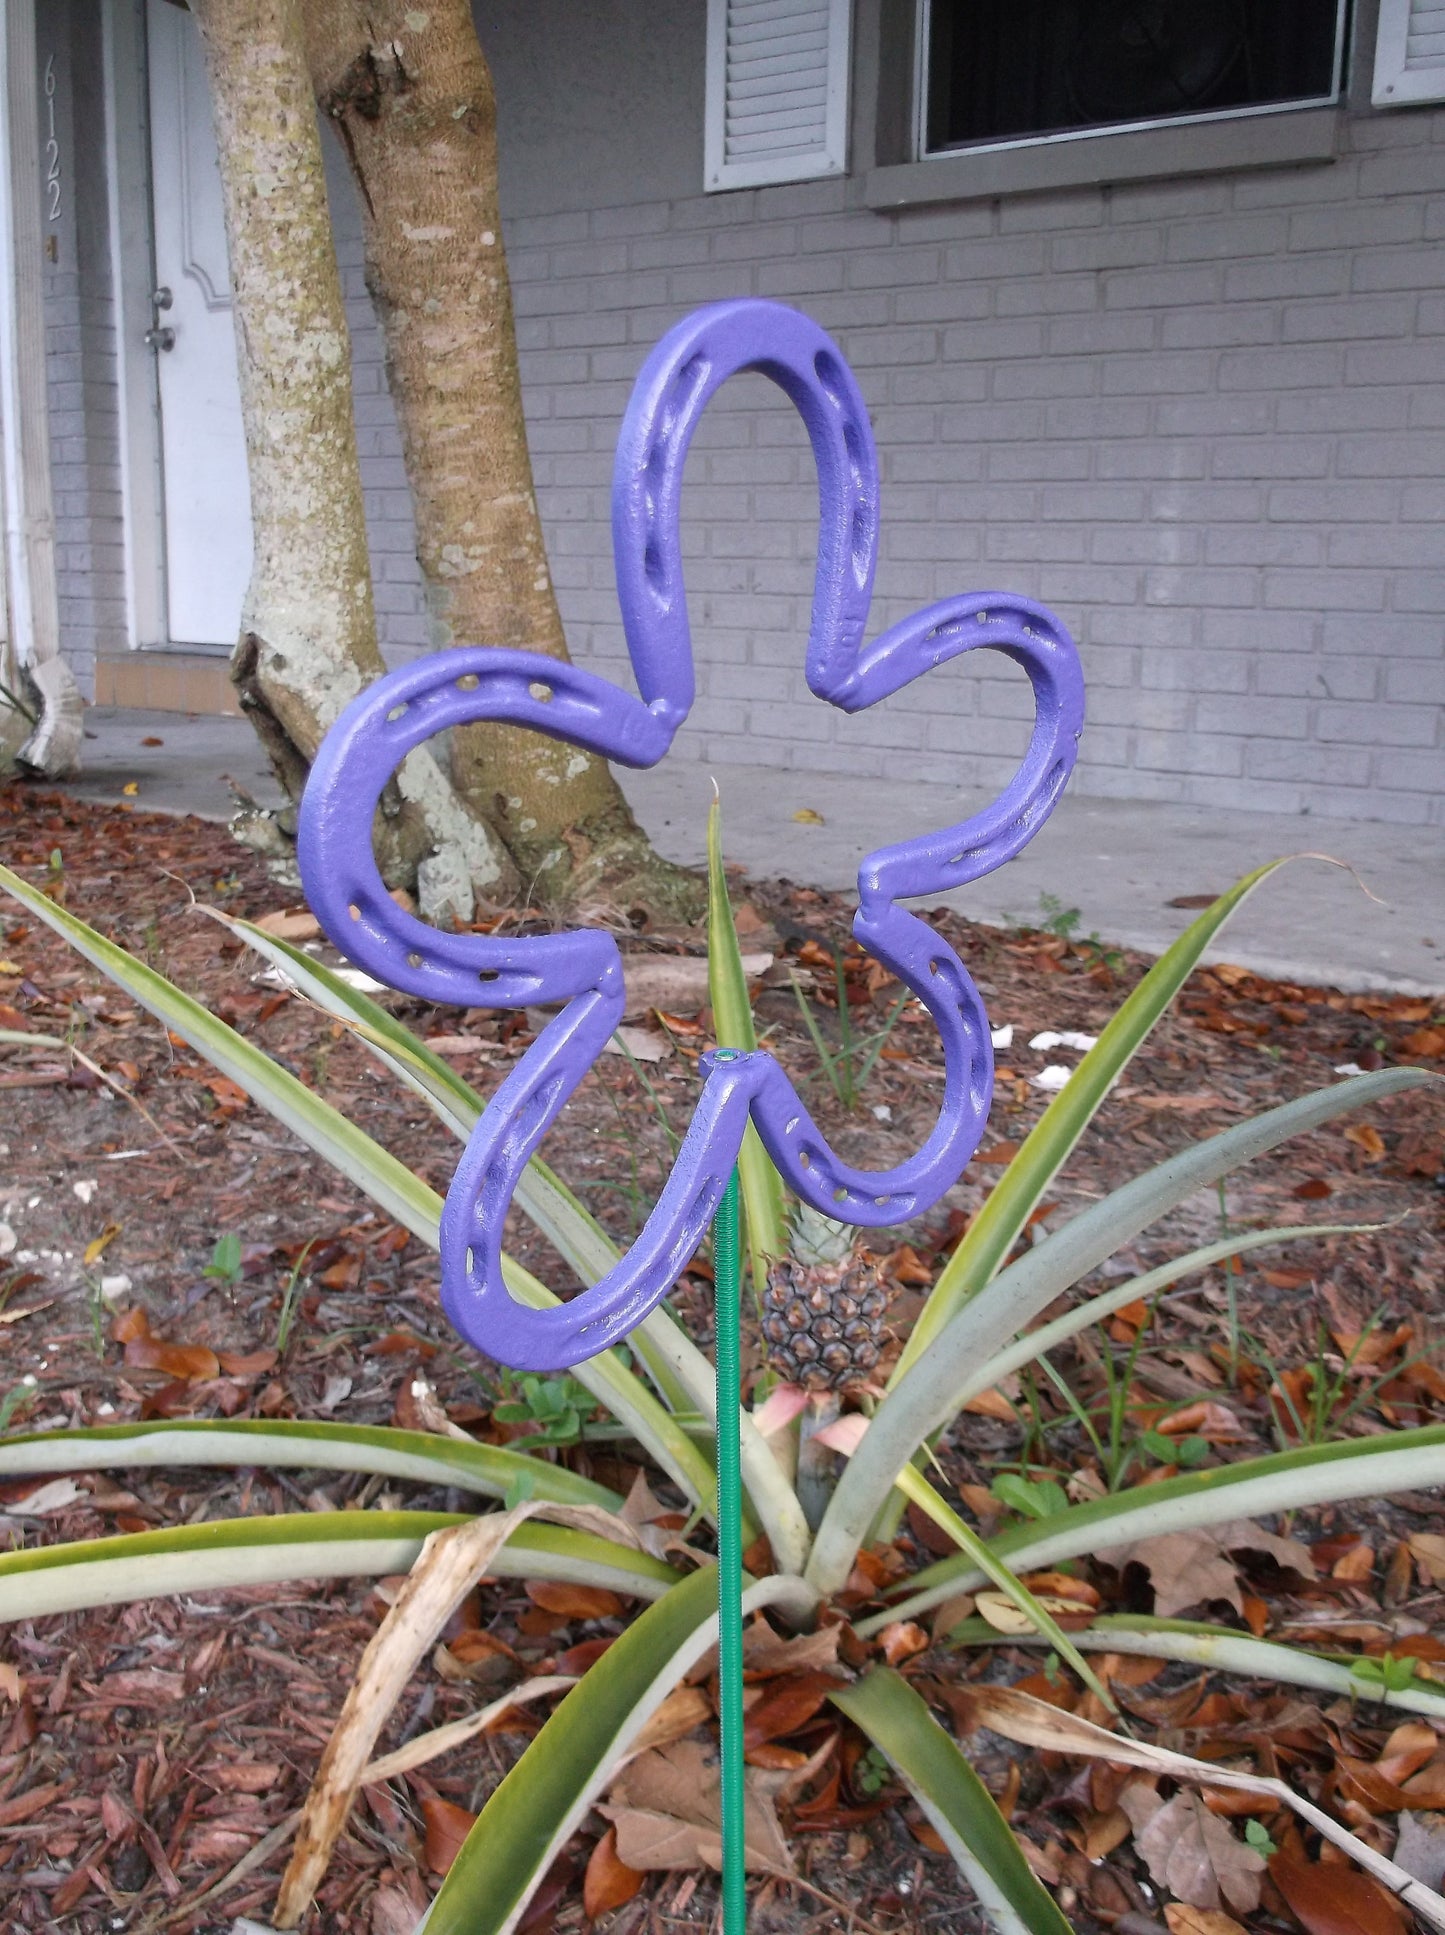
52,148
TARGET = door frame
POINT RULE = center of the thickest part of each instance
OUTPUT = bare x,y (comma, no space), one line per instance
132,274
31,622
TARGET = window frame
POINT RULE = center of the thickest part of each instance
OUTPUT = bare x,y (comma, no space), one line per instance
922,153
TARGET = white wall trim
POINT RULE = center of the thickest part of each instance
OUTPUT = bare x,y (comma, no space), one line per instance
132,268
24,412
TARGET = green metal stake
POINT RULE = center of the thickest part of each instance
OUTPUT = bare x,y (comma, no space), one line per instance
727,1273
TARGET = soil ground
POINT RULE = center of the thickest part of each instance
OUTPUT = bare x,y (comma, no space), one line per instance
146,1749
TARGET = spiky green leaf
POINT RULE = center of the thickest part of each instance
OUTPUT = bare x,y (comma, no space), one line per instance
529,1817
295,1545
897,1720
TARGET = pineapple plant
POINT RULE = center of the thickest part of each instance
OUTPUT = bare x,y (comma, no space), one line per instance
824,1307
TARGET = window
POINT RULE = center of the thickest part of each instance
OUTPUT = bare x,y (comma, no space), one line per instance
995,73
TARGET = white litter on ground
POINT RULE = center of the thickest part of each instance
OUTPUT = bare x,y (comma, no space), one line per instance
1069,1038
1054,1076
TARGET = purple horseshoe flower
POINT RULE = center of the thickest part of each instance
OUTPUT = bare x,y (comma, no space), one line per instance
583,969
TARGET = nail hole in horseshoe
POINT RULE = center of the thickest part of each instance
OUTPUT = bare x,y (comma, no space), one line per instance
540,691
471,1261
413,960
397,712
829,375
468,682
354,911
840,1195
489,974
805,1161
934,967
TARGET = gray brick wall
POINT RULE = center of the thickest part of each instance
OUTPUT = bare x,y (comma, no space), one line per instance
401,624
1204,420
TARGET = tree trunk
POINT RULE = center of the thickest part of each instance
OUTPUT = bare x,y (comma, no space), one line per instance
308,630
410,94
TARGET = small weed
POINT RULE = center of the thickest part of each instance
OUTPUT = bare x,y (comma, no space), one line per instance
17,1399
849,1067
1107,1422
1387,1673
1115,1449
225,1263
1258,1836
288,1300
872,1773
1314,1404
1188,1452
1057,919
1063,923
1029,1497
1100,955
553,1406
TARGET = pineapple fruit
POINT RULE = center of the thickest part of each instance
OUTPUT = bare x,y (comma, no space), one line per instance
824,1308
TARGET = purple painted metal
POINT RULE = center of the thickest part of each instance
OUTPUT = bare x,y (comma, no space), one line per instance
583,968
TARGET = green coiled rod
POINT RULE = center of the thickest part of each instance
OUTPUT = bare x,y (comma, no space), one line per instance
727,1274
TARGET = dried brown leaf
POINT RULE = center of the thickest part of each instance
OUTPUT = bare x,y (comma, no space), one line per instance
901,1640
608,1882
684,1708
667,1809
786,1705
1334,1900
573,1602
193,1362
766,1653
1192,1853
1189,1568
1184,1920
447,1826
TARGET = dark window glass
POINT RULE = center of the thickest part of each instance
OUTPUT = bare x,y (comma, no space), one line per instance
1002,69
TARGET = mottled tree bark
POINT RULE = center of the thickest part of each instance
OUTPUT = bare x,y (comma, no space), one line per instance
410,94
308,630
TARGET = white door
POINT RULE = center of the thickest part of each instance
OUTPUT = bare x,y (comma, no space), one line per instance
205,494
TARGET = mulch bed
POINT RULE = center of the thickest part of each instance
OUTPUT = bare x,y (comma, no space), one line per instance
145,1749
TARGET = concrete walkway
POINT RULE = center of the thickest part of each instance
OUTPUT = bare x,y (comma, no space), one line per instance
1118,862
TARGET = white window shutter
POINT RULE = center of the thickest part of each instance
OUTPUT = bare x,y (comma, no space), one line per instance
1409,53
777,91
